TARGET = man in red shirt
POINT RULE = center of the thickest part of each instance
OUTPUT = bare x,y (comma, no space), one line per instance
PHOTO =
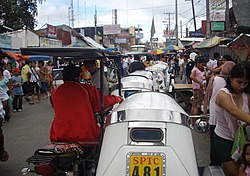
75,105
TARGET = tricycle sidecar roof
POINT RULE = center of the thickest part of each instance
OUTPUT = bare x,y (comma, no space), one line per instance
149,106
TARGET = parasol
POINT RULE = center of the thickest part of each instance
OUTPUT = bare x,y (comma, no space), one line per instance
157,52
171,48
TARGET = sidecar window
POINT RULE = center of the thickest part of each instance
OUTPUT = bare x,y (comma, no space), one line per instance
146,135
127,93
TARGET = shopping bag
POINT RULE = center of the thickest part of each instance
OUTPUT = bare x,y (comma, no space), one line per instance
239,142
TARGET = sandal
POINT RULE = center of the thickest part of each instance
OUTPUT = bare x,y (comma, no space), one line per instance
4,156
31,103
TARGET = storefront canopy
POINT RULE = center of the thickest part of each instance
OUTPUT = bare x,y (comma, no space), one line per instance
214,41
70,52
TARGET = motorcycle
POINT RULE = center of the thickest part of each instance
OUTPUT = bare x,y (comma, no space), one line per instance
66,158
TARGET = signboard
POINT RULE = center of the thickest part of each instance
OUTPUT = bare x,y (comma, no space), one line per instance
5,41
111,29
196,34
51,31
217,10
46,42
218,26
139,35
121,40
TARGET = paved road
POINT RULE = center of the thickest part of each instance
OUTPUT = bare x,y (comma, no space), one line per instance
29,130
24,133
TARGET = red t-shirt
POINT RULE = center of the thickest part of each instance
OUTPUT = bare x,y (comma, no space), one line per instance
74,105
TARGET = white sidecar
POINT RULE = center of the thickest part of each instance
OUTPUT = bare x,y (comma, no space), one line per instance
148,136
133,83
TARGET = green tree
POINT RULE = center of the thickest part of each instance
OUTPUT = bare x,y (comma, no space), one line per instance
18,14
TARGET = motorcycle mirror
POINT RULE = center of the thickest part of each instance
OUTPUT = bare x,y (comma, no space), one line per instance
25,171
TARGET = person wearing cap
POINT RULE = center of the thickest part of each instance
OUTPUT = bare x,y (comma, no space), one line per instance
75,105
198,84
17,82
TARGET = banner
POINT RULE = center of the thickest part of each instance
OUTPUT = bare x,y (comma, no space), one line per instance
153,28
217,10
51,31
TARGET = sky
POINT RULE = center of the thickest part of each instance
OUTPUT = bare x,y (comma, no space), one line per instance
138,13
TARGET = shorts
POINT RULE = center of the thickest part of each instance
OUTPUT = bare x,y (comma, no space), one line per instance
35,88
223,148
1,124
45,87
27,88
198,97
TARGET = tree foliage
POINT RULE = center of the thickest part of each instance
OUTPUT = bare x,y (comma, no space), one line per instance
18,14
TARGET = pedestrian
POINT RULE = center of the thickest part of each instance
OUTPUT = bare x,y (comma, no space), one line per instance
215,84
91,66
198,84
43,72
35,82
6,86
190,66
4,156
27,87
183,68
17,82
244,169
49,77
231,105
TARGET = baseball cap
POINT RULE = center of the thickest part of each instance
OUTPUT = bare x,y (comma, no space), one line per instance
16,70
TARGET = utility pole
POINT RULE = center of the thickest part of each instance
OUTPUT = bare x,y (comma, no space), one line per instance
181,28
227,16
208,34
195,28
95,23
169,19
176,21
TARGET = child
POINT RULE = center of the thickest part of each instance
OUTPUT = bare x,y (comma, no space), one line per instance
198,83
244,169
17,82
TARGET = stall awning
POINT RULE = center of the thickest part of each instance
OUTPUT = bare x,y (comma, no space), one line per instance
214,41
13,54
240,42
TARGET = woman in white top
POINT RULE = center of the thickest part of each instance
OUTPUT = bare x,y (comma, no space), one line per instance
231,105
214,85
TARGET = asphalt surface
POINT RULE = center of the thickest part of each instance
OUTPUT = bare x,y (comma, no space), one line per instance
29,130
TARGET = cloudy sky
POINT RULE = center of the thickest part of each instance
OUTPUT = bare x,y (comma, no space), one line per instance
129,13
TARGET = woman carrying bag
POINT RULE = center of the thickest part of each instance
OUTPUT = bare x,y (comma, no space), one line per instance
231,106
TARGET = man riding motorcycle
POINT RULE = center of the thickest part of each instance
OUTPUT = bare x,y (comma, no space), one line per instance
75,105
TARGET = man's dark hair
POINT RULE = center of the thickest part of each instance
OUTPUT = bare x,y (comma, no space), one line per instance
71,73
89,62
228,58
216,55
41,62
27,62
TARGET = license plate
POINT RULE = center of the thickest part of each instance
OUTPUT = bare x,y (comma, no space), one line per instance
146,164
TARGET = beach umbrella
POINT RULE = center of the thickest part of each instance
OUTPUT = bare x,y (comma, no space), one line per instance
157,52
171,48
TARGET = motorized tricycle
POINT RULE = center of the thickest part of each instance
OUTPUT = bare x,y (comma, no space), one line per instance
147,134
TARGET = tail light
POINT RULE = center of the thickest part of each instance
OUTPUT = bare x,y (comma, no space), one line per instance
44,169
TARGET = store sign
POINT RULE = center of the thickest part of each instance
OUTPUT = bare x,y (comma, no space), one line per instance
217,10
5,41
51,31
217,26
111,29
196,34
46,42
